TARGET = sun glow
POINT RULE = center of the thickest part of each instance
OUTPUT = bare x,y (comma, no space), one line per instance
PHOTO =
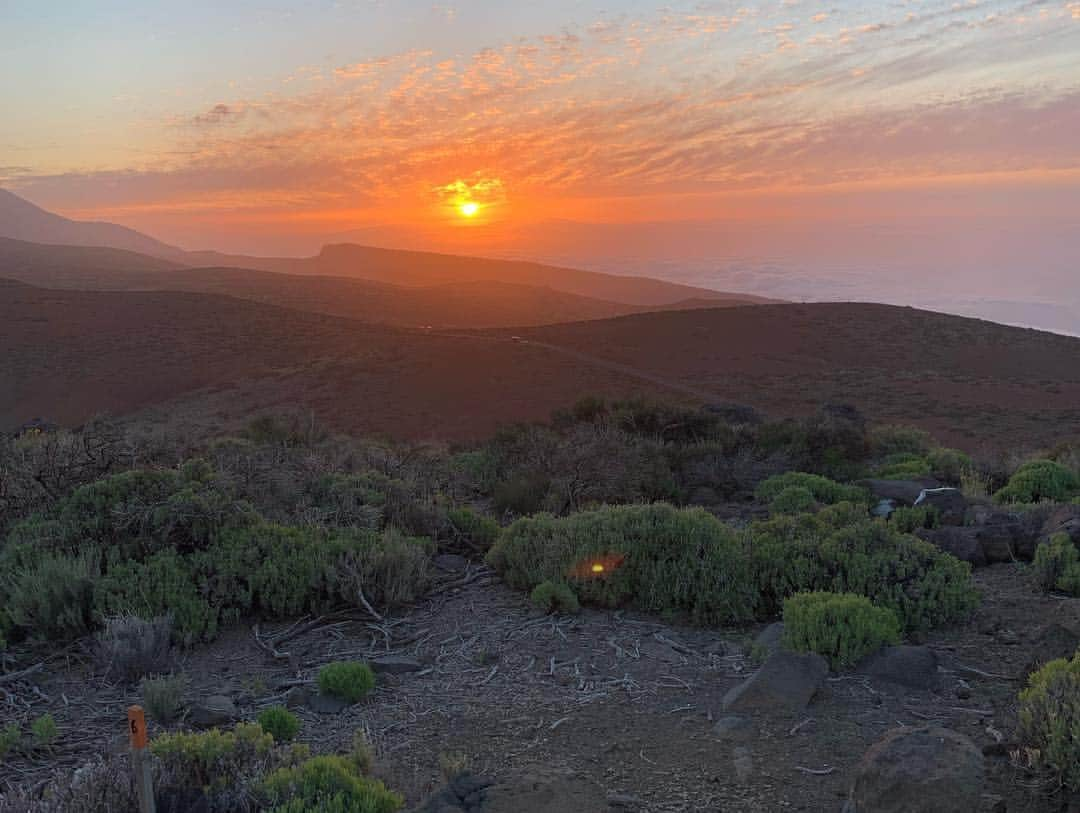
468,208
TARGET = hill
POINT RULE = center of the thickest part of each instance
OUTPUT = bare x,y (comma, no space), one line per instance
22,220
71,354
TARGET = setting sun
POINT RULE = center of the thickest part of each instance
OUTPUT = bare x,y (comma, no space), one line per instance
469,208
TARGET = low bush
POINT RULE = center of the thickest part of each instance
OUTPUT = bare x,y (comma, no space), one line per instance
212,760
391,570
474,529
950,466
1040,480
655,557
1057,565
555,597
1050,719
44,731
844,628
51,598
903,466
349,680
280,723
330,784
129,647
824,490
163,697
792,500
841,550
908,520
893,439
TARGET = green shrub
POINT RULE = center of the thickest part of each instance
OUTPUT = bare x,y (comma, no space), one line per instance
214,759
163,697
793,500
51,598
841,550
892,439
10,737
555,597
949,465
655,557
823,489
1050,719
280,723
842,627
349,680
474,529
44,731
903,466
392,569
328,784
1057,565
908,520
1040,480
522,494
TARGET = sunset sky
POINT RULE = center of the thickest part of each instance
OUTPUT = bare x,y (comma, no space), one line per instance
270,127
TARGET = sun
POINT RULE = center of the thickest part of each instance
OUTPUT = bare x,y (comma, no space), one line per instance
469,208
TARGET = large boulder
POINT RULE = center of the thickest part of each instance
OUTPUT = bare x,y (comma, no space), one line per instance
1002,538
963,543
902,492
927,769
787,681
950,503
1053,641
913,667
1063,520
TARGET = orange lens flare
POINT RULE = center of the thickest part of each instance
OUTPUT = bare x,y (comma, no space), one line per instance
597,567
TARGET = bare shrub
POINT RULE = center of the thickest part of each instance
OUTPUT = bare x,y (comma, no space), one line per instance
163,697
129,647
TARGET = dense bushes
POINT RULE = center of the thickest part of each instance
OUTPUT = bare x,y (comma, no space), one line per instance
1040,480
331,784
844,628
1050,719
684,561
555,597
656,557
1057,565
840,549
822,489
279,723
351,681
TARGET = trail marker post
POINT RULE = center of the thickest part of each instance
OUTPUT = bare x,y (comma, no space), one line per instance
140,764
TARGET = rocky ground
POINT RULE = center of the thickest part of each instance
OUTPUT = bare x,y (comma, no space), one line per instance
602,711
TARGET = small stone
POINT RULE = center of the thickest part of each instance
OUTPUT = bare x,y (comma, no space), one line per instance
327,704
296,697
963,693
213,710
395,665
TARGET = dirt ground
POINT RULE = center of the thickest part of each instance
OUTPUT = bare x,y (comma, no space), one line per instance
623,704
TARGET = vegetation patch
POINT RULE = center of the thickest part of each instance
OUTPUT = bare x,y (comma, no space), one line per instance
823,490
555,597
279,723
1050,719
842,627
1057,565
349,680
1040,480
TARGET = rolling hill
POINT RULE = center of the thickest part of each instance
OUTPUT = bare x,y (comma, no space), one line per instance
205,357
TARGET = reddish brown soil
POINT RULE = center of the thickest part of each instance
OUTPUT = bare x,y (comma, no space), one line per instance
603,695
70,354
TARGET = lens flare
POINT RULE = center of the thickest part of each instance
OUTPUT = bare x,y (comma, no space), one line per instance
469,208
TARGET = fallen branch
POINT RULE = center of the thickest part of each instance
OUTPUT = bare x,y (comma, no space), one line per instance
367,606
13,676
815,771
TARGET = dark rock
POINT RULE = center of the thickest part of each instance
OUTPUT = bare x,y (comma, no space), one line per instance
1063,520
462,793
787,681
963,543
1053,642
624,801
902,492
734,727
395,665
914,667
327,704
296,697
950,503
450,562
770,639
920,770
181,800
213,710
992,803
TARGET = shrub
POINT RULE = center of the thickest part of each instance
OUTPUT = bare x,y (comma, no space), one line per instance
44,730
842,627
823,489
949,465
474,529
163,697
214,759
1057,565
892,439
330,784
280,723
129,647
904,466
1037,481
10,737
655,557
362,754
349,680
840,549
793,500
908,520
53,597
392,570
1050,719
522,494
555,597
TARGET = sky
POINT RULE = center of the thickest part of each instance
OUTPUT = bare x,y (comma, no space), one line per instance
778,146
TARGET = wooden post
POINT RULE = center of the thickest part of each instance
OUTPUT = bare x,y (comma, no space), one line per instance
140,765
